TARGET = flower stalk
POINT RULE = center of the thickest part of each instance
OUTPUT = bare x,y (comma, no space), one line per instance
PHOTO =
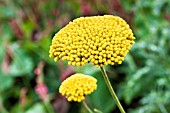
48,106
87,107
111,90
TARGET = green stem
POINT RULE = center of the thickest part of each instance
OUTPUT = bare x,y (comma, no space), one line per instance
2,108
111,90
86,106
48,106
162,108
97,111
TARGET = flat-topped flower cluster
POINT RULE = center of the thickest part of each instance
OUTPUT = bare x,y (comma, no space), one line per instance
77,86
101,40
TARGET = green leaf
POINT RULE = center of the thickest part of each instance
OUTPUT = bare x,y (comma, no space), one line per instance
101,98
27,28
2,50
129,59
36,108
6,12
6,31
21,64
5,81
132,88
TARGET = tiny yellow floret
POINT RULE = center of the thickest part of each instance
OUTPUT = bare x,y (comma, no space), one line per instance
77,86
93,39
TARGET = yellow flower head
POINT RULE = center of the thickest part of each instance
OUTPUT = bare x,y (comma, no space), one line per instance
77,86
101,40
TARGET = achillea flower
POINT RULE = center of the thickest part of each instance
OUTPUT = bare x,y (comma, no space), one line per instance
101,40
77,86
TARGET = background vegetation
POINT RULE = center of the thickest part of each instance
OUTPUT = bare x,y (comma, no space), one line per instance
29,79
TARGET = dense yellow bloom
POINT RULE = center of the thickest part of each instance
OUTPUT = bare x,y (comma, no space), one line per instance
77,86
101,40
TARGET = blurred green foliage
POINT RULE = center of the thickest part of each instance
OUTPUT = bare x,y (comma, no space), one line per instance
27,27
